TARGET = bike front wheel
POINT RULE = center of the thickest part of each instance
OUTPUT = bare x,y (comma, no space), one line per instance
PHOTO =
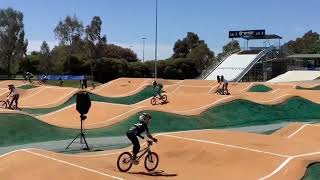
151,162
124,162
153,101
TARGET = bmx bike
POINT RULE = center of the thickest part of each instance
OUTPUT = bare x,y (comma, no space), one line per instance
151,160
163,99
221,91
43,81
5,104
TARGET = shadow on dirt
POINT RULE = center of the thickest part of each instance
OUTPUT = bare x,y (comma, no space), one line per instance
154,173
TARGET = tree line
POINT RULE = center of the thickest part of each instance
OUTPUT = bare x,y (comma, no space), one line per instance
83,49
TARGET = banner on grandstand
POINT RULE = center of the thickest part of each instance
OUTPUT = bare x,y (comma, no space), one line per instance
253,33
62,77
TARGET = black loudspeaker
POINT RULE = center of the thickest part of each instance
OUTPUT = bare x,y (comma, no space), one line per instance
83,102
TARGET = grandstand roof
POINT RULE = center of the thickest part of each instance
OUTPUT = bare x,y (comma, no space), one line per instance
267,36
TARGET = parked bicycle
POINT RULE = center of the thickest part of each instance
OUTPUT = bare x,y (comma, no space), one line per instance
151,161
163,99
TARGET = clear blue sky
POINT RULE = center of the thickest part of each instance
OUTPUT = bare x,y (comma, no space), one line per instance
125,22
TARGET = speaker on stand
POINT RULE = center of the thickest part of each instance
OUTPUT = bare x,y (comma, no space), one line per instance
83,105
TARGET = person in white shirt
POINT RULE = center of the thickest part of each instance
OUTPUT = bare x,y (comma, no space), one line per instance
225,85
14,94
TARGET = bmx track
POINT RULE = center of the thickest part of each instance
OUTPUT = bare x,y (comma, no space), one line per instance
199,154
203,154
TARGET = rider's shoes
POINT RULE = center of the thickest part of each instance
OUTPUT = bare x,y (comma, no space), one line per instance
135,161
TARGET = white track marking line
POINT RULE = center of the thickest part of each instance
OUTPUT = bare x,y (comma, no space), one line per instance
111,119
275,91
302,127
131,92
213,87
4,93
208,105
90,124
248,87
283,164
174,91
144,82
227,145
211,84
106,84
59,99
28,97
74,165
274,99
298,130
54,112
11,152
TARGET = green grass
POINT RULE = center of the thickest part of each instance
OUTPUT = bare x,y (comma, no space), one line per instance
27,86
71,83
313,172
260,88
313,88
19,129
140,96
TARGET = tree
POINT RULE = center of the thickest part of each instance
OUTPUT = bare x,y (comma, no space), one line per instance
201,55
118,52
180,69
180,49
13,45
309,43
45,64
68,30
94,39
231,46
106,69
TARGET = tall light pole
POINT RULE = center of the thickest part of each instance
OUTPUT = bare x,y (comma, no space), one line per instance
156,43
143,48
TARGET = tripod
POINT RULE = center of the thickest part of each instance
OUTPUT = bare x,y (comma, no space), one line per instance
81,134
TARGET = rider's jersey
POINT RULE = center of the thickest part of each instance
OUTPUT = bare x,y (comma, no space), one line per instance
139,128
13,92
157,89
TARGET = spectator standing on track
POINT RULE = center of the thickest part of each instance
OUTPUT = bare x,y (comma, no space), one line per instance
60,81
14,94
219,81
225,85
85,83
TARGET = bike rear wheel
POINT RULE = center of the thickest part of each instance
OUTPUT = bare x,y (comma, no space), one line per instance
124,162
153,101
3,104
164,98
151,162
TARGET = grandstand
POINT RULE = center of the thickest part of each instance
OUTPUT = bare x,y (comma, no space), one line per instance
251,63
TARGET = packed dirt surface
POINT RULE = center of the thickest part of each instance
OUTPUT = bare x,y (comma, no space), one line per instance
100,115
16,83
206,154
202,154
187,97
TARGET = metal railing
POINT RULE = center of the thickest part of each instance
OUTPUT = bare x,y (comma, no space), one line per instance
256,59
214,66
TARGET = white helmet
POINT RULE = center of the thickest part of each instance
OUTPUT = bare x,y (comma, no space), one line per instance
145,117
